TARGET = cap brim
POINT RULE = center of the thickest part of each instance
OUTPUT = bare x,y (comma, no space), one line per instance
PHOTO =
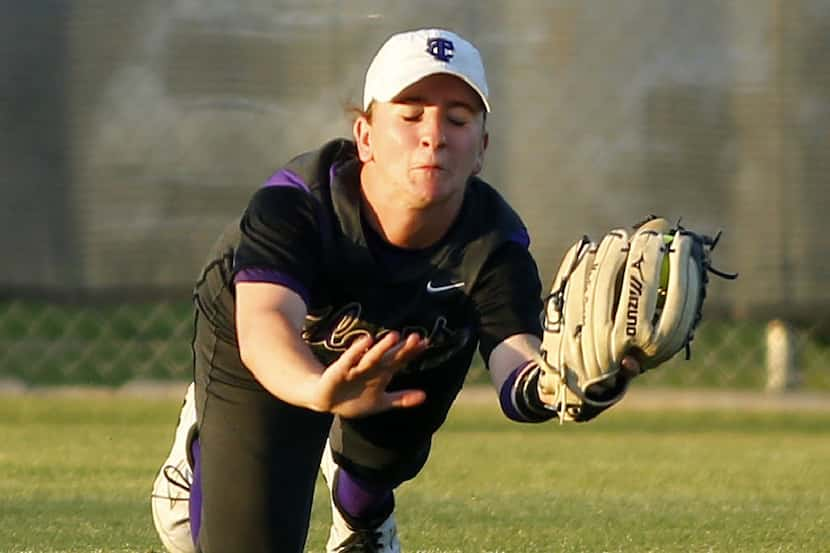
388,96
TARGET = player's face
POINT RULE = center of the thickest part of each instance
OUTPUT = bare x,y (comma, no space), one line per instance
427,142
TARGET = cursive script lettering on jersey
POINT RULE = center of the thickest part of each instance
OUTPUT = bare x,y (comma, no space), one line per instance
332,331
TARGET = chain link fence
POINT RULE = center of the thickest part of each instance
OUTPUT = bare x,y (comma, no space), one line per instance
44,343
131,132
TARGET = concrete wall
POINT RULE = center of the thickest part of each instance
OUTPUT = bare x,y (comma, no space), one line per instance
137,129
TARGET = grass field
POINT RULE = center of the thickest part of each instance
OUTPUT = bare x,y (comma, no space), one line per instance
76,474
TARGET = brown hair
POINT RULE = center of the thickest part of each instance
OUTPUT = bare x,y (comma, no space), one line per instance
355,111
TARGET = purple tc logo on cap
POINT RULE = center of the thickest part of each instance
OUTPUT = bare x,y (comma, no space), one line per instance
441,49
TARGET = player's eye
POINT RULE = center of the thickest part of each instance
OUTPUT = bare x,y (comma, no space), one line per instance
412,115
459,117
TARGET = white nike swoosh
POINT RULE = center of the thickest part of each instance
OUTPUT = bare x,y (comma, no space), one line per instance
432,289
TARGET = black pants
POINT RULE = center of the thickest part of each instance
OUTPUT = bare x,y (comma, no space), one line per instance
260,459
260,456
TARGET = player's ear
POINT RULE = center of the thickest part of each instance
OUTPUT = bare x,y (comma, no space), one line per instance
479,161
362,130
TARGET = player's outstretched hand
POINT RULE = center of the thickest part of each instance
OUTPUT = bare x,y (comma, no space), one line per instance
355,384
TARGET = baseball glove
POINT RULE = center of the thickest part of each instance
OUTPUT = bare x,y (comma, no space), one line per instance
637,294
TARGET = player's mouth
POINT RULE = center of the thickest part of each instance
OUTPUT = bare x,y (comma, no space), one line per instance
429,167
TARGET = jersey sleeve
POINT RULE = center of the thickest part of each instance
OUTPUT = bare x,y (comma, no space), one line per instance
280,239
507,297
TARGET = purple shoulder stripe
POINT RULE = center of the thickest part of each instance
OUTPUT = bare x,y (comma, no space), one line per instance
333,171
284,177
256,274
521,237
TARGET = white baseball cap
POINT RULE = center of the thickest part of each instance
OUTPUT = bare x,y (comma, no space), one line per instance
406,58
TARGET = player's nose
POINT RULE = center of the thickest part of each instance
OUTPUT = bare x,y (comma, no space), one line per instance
433,134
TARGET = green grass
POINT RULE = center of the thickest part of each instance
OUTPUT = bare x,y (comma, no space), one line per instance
76,475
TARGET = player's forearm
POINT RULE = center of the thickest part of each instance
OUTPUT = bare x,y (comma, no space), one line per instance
269,321
514,372
272,349
509,354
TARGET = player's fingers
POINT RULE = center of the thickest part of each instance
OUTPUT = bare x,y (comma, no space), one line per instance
371,359
407,349
405,398
352,356
630,366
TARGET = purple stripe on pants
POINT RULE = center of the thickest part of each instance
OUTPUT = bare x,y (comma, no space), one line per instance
196,492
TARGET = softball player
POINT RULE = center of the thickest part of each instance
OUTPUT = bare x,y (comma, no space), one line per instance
337,319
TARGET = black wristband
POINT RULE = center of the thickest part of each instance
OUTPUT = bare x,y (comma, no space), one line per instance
519,395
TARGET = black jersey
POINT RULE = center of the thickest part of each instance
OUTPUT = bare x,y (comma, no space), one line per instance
303,229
